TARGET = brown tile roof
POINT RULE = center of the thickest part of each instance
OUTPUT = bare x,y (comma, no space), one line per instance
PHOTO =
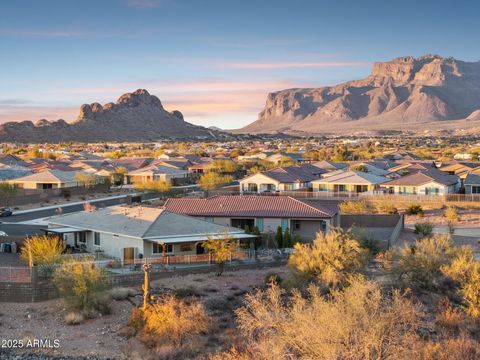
250,206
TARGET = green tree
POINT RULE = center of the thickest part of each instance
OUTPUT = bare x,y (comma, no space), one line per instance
221,246
213,180
119,175
86,180
279,237
7,192
42,250
156,186
287,238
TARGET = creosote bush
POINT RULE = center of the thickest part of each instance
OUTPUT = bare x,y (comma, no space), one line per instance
356,207
81,286
356,323
420,266
329,259
169,321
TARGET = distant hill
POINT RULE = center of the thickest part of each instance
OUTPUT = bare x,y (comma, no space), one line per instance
429,92
136,116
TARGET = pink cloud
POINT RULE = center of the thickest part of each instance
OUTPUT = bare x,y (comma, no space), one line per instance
291,65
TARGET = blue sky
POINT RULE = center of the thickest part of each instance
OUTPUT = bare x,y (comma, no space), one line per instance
213,60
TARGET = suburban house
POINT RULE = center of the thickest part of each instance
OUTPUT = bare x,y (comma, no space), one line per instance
12,172
129,233
460,168
472,184
267,213
424,183
329,165
286,178
348,181
49,179
155,172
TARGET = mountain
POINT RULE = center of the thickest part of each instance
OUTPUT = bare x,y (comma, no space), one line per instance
136,116
407,93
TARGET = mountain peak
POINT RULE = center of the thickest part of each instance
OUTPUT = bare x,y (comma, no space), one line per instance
398,94
136,116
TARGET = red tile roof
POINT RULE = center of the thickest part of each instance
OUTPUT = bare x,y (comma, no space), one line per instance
250,206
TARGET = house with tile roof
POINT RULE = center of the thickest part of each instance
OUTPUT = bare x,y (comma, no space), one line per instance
129,233
350,181
267,213
425,182
285,178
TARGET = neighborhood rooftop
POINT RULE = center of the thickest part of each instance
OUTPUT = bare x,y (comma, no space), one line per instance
254,206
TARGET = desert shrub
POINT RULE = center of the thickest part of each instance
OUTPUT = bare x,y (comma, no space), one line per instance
287,238
42,250
356,207
73,318
221,247
121,293
171,321
387,208
81,286
272,276
451,214
329,259
370,243
414,209
357,323
452,348
420,265
186,292
466,271
448,317
423,229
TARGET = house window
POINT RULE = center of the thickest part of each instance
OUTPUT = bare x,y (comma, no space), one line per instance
323,225
96,238
158,248
322,187
475,189
289,186
186,247
47,186
209,219
296,224
243,223
342,187
82,237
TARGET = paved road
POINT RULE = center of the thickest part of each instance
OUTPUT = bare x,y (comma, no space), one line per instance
41,213
21,230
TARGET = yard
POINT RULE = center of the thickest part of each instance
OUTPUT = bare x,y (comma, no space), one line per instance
109,337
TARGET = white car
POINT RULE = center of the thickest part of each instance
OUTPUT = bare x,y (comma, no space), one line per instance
3,233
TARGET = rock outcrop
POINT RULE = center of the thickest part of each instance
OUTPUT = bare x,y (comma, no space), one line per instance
405,93
136,116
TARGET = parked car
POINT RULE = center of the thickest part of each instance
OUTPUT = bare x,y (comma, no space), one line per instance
5,212
3,233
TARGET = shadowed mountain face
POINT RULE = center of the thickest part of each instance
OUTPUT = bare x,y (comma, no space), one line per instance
136,116
403,94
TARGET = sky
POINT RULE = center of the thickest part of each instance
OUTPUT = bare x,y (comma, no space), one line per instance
214,60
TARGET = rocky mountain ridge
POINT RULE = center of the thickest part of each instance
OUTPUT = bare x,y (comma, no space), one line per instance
403,94
136,116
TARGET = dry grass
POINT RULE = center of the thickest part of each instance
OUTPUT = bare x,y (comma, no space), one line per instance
121,293
74,318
